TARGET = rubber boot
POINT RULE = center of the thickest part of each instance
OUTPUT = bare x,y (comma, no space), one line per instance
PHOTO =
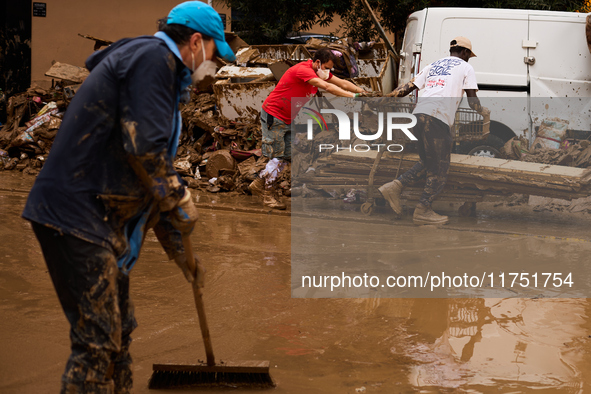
391,192
270,198
257,187
426,215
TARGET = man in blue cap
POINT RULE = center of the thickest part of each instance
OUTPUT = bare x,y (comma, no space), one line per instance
110,177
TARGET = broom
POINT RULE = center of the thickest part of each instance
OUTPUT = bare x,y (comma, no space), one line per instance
250,374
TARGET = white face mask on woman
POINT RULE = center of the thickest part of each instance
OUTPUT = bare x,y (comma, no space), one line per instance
206,69
322,73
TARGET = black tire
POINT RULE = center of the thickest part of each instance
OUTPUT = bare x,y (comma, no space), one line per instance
489,147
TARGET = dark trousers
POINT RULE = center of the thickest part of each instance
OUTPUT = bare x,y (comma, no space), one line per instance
94,295
434,144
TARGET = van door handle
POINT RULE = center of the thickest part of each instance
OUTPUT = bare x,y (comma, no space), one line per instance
530,60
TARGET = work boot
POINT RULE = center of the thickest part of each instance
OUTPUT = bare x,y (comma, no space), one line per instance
257,187
391,192
271,200
426,215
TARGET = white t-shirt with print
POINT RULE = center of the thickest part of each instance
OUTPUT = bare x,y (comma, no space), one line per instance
442,84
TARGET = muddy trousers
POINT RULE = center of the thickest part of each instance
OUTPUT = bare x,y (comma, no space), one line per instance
276,139
94,295
434,144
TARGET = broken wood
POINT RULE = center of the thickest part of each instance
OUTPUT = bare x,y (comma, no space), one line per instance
380,29
98,42
467,173
264,78
67,72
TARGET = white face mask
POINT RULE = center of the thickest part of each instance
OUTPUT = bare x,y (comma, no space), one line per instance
206,69
322,74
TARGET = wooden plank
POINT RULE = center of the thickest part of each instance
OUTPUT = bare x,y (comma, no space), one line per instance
471,161
485,175
472,177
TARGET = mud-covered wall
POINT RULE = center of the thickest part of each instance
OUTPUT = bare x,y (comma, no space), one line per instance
55,37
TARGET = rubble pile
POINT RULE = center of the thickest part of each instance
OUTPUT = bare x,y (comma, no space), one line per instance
220,145
213,154
577,154
571,153
33,119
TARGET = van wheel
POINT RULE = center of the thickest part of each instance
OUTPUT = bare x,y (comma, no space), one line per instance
490,147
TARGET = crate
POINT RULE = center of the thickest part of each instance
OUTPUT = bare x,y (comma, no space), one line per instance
470,125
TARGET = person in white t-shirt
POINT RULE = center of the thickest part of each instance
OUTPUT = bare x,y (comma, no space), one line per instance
443,84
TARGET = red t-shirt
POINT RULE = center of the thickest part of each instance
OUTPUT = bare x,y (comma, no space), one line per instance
293,84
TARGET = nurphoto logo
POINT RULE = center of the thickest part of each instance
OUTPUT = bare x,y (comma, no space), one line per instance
345,130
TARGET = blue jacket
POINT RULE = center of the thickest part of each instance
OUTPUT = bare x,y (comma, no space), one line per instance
109,176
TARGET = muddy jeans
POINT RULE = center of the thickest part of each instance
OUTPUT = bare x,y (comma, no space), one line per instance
276,137
434,144
94,295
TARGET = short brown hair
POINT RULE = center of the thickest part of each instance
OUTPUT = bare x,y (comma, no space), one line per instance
324,55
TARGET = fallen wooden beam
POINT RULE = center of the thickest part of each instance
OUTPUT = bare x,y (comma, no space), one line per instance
496,176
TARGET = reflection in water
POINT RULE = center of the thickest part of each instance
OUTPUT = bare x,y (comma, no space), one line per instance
517,344
385,345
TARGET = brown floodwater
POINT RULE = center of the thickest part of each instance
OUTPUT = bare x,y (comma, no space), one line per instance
348,345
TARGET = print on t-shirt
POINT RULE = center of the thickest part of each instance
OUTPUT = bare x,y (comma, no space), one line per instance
441,68
442,84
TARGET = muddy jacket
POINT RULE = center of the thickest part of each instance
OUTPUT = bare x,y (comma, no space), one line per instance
109,176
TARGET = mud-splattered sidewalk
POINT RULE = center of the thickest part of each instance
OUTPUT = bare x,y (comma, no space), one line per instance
314,345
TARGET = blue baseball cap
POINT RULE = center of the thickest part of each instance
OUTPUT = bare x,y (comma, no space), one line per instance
204,19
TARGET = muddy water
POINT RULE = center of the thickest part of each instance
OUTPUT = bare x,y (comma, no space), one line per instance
314,345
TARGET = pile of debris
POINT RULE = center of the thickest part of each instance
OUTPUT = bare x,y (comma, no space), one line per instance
554,144
470,177
571,153
242,87
33,119
220,146
213,154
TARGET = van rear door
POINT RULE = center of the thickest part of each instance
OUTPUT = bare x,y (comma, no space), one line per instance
560,62
496,37
560,66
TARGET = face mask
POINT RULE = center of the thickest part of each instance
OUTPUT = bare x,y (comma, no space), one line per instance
323,74
206,69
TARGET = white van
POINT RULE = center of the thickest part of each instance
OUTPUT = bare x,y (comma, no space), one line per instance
527,61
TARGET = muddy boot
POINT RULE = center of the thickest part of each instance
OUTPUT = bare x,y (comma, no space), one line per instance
257,187
426,215
391,192
271,200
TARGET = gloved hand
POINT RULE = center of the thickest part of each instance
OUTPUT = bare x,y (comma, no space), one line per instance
184,215
381,102
193,272
484,111
373,94
365,93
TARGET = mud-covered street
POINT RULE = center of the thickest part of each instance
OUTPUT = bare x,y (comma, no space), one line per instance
352,345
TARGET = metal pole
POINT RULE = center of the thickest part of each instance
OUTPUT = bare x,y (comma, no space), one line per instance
380,29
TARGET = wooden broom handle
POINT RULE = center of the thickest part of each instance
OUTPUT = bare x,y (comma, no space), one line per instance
199,302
